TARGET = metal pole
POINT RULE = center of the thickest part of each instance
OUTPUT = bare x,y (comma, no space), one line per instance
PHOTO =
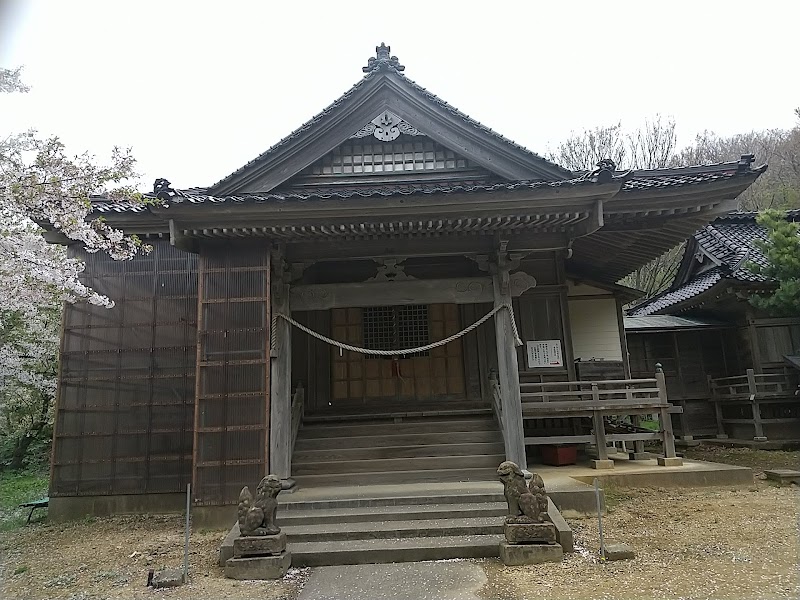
599,517
186,535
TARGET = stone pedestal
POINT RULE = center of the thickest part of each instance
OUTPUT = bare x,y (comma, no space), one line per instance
259,557
530,533
514,555
262,545
258,567
619,552
603,464
675,461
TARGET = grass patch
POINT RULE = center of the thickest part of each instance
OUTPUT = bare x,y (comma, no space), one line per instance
20,570
16,488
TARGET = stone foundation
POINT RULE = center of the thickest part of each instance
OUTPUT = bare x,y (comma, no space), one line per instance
514,555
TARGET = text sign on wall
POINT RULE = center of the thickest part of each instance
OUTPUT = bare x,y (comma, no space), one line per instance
544,353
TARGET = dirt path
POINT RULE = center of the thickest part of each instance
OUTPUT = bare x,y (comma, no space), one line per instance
691,544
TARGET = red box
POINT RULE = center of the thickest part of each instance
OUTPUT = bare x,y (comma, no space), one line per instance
559,455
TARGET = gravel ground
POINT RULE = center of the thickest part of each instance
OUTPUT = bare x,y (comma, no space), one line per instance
692,543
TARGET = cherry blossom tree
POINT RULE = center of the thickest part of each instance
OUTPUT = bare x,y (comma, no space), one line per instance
43,188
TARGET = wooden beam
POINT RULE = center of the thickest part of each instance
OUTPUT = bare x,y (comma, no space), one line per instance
181,241
467,290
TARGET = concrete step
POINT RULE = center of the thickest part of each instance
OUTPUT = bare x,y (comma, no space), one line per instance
423,463
443,449
421,528
288,505
399,413
406,439
403,512
388,550
432,475
422,425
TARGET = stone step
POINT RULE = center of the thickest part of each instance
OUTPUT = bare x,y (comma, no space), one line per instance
401,512
406,439
395,529
388,550
422,425
345,454
423,463
400,413
289,506
432,475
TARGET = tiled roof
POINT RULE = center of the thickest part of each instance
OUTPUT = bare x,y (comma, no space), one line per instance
729,241
640,180
418,88
696,286
660,322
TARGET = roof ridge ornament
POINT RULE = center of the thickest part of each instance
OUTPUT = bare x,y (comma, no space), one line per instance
383,60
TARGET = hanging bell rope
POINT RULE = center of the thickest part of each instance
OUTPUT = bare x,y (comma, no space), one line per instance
404,351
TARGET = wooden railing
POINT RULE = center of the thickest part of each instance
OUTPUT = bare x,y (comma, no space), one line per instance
752,384
297,411
754,389
598,399
497,400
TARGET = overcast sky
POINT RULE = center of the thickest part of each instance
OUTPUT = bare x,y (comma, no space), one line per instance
199,88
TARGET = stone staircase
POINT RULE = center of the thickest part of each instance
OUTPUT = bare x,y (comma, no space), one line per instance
398,447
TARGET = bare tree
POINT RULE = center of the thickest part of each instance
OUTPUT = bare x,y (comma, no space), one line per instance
582,151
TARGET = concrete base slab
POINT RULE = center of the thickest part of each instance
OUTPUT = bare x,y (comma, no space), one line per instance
514,555
783,475
674,461
603,464
619,552
421,581
258,567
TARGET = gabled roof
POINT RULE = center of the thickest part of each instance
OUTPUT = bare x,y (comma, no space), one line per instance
382,88
716,254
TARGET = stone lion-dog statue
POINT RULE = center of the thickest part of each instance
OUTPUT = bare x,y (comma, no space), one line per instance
527,503
257,515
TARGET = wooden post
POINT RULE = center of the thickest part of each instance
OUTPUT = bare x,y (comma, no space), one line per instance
599,426
751,386
717,409
508,373
280,426
670,459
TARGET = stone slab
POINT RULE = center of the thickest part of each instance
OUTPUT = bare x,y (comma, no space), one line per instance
514,555
259,545
168,578
619,552
530,533
783,475
258,567
603,464
226,550
400,581
675,461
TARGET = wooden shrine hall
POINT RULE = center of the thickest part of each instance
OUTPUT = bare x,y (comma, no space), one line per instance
460,292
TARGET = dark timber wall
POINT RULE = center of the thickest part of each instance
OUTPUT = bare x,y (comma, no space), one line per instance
126,392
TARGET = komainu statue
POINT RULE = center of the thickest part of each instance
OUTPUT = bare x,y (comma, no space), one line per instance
526,502
257,516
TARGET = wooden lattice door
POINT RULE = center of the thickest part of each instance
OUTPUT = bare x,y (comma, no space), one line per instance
437,373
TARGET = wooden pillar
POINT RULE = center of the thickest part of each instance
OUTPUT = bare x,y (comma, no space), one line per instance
667,436
599,426
280,426
508,372
751,386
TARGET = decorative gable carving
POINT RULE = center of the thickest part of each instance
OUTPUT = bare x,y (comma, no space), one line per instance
386,127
